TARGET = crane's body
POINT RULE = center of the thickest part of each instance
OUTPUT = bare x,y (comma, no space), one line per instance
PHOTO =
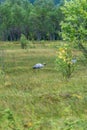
38,66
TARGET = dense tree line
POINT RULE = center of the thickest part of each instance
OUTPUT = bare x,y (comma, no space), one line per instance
32,1
39,21
55,1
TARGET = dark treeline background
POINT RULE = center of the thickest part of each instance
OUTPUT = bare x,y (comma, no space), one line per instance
37,19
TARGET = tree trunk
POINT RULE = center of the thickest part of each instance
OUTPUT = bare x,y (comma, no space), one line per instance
38,36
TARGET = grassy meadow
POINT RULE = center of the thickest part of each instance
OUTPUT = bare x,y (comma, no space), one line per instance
40,99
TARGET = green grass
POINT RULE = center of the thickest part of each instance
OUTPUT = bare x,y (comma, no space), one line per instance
40,99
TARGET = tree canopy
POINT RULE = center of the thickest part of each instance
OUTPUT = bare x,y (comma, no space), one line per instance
74,24
39,20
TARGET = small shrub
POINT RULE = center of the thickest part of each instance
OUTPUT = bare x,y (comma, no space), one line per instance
64,61
23,41
7,118
2,76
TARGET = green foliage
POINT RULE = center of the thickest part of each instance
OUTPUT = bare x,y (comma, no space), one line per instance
7,119
23,41
74,25
64,61
71,124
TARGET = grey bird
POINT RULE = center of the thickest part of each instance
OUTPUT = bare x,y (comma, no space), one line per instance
39,66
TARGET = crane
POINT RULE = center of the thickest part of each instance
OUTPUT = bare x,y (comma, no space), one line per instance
39,66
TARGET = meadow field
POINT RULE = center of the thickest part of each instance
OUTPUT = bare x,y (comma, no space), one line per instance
40,99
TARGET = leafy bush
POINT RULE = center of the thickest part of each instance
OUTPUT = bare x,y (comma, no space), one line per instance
7,118
23,41
64,60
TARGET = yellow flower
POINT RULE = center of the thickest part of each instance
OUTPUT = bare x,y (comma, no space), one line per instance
64,60
60,48
60,56
63,51
60,53
29,124
69,62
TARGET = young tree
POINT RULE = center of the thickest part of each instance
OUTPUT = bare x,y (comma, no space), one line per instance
65,61
23,41
74,26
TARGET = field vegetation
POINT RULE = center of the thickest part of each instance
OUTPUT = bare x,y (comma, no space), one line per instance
40,99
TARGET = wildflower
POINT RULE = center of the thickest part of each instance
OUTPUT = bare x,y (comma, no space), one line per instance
63,51
60,53
60,49
28,124
64,59
69,62
61,56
